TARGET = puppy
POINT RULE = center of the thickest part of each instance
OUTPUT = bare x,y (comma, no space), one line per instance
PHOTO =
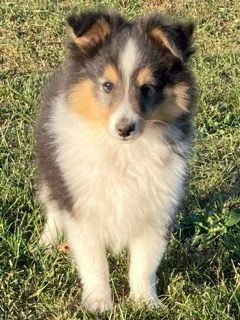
112,142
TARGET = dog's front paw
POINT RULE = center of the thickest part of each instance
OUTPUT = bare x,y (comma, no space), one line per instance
98,301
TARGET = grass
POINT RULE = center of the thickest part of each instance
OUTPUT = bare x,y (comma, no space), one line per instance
199,278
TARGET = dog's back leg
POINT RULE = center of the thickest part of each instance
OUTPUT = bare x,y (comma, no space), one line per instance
53,227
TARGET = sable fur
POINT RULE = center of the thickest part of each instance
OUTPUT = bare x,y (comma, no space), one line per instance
112,164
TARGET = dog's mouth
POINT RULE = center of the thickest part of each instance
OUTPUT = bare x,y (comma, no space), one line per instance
130,139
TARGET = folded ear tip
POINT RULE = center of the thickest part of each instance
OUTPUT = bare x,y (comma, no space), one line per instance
84,19
73,22
191,28
71,18
87,30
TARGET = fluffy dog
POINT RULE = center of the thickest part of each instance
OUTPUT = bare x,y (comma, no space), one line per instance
112,142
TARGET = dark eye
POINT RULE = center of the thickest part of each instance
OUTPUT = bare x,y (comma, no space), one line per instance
147,90
108,86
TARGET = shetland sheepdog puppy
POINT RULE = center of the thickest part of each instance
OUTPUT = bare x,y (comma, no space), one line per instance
112,142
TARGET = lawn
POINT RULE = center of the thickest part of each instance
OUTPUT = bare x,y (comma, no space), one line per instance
199,278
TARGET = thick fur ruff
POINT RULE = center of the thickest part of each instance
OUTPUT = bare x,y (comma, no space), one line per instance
112,142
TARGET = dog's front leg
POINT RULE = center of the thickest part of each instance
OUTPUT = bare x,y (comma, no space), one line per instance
146,251
90,257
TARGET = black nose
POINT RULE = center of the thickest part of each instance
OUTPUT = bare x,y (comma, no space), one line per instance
125,130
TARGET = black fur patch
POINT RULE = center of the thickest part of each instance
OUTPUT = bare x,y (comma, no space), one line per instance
49,172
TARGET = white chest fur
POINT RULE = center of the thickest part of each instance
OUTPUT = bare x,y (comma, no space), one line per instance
120,188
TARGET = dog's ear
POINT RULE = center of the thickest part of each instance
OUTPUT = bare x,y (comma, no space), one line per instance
174,37
88,30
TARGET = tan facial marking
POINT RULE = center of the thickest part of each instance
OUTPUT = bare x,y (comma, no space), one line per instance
95,35
182,96
82,101
110,73
144,76
176,102
159,36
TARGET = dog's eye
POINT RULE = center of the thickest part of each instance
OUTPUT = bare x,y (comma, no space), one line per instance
108,87
147,90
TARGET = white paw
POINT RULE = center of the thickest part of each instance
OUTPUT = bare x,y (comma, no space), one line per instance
97,301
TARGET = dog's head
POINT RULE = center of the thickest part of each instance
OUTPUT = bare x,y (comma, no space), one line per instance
126,75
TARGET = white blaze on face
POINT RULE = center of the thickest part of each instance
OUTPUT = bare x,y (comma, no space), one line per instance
128,62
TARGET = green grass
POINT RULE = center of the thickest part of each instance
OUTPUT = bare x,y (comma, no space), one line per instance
199,278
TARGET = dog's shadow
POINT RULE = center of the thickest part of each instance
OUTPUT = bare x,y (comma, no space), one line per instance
209,260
